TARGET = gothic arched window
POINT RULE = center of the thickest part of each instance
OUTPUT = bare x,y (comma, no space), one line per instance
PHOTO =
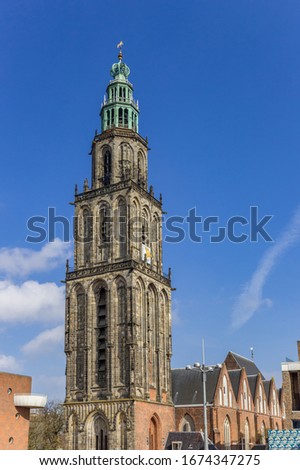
101,304
225,391
107,168
152,319
87,236
121,321
154,433
104,230
187,424
80,335
122,229
227,434
245,396
101,433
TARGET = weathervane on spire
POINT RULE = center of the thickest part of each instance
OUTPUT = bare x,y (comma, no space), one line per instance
119,46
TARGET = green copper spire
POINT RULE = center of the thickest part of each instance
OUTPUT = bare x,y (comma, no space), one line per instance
119,108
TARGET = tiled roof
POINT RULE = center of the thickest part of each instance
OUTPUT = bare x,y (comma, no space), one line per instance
235,376
252,380
187,386
250,366
189,441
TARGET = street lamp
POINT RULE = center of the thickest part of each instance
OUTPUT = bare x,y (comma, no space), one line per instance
204,369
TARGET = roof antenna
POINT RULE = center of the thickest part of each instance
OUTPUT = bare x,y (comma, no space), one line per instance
252,354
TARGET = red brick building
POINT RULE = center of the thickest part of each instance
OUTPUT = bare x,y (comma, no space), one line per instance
291,387
241,404
15,403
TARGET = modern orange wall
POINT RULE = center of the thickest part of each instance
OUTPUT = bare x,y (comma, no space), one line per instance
14,422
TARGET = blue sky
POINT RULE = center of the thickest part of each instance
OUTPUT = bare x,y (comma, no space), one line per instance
218,87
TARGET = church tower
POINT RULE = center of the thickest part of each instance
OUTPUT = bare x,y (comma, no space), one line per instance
118,300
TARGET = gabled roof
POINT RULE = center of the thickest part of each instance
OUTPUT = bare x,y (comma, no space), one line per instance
252,381
235,361
235,377
187,386
189,440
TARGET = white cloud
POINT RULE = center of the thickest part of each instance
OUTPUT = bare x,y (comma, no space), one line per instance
23,261
45,341
251,298
8,364
31,301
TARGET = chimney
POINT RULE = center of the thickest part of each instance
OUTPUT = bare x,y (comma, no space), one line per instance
298,348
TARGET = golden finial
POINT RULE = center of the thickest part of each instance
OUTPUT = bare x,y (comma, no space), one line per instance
119,46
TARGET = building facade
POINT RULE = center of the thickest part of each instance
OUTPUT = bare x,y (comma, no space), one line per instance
118,314
14,421
16,400
291,388
241,404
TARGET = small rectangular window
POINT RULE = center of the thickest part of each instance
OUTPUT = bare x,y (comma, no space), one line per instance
176,445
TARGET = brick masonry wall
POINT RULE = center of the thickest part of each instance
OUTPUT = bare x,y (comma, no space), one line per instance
14,422
143,412
237,418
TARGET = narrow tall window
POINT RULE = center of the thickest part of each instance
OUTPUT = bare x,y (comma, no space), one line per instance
227,434
105,231
104,224
153,433
121,117
260,399
122,229
126,118
101,433
107,168
247,435
122,353
87,236
245,395
102,335
80,324
263,433
225,391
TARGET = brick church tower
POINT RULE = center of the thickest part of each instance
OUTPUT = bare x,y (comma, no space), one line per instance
118,301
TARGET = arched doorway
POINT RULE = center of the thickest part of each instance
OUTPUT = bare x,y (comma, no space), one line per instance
97,433
154,433
101,433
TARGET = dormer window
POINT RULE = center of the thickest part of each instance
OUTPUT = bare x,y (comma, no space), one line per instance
176,445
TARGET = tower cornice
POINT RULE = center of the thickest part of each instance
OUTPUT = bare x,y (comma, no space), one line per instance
120,132
119,266
128,184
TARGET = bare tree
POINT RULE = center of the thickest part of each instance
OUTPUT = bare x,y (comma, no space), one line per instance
46,428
